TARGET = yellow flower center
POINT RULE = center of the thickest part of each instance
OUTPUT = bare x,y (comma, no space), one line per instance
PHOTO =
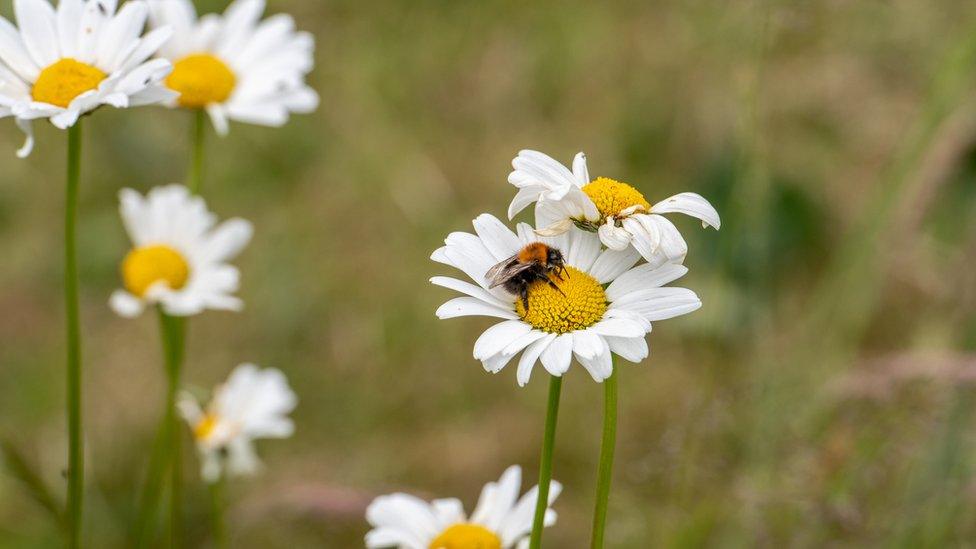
612,197
61,82
147,265
205,427
201,79
580,303
467,536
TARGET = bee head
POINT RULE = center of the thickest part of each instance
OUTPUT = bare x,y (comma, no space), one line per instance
555,260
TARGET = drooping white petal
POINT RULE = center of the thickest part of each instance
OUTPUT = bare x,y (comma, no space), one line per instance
692,204
557,355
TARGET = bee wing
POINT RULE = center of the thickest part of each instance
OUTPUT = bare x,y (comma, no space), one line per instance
503,270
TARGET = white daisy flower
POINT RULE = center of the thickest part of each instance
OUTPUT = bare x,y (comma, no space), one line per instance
574,315
251,404
178,259
235,66
62,63
500,521
618,212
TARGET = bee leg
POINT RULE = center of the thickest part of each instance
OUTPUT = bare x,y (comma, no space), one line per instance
552,284
524,294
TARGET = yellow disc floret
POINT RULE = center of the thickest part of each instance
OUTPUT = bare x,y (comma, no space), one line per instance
580,303
205,427
147,265
467,536
61,82
201,79
612,197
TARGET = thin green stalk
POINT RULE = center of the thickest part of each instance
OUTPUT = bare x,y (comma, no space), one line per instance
149,500
173,331
545,462
605,468
217,513
194,177
76,480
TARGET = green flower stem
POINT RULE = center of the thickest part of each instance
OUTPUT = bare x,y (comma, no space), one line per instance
173,331
217,513
149,500
545,462
194,178
605,468
76,466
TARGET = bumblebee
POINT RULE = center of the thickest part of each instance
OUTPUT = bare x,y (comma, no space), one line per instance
535,261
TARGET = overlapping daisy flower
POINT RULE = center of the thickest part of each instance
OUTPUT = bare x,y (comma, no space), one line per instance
570,314
252,404
60,64
179,255
617,211
234,65
501,520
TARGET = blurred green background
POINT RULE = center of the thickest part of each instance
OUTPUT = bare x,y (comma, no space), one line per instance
821,397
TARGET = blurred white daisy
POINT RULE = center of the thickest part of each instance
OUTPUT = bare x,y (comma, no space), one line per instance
617,211
234,65
500,521
178,257
578,317
60,64
251,404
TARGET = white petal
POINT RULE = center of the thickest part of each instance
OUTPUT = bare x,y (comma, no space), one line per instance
645,237
558,355
28,129
14,54
470,289
691,204
469,306
618,327
643,277
673,246
612,264
660,303
580,171
587,344
499,336
125,304
524,197
615,238
633,349
601,366
529,357
499,239
38,28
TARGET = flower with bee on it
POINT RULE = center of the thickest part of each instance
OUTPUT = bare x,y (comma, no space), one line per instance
252,404
560,316
501,520
618,212
179,255
235,66
64,62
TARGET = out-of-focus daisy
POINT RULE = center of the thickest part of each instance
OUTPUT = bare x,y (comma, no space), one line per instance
617,211
574,315
500,521
234,65
251,404
178,257
60,64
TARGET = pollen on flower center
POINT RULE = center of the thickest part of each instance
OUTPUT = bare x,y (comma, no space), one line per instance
612,197
467,536
580,303
205,427
201,79
60,83
147,265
